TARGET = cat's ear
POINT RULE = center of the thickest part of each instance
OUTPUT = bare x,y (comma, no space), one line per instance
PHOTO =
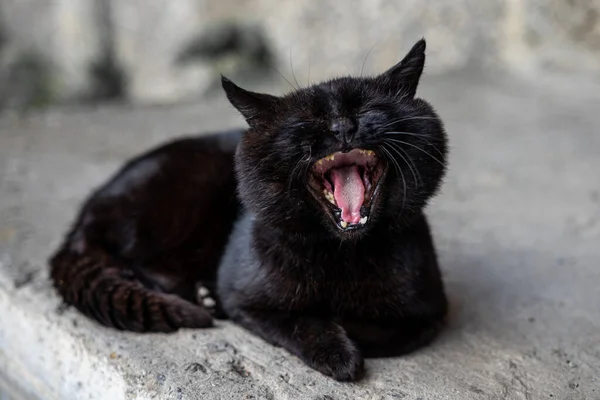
257,108
406,74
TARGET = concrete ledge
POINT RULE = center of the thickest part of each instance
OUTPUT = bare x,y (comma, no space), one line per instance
517,227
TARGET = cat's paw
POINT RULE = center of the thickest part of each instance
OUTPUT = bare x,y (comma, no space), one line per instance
206,299
337,357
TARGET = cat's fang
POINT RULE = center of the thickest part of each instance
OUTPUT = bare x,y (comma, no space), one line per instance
363,220
344,224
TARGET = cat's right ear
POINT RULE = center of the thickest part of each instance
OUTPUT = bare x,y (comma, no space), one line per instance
404,77
257,108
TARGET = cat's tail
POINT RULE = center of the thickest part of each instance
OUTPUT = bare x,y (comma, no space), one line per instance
102,289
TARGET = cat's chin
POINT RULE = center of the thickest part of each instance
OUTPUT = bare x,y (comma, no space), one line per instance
347,185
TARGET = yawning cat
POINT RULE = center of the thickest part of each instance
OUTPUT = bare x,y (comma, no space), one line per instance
307,228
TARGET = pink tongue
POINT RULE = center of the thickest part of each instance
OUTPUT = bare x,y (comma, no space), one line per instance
349,192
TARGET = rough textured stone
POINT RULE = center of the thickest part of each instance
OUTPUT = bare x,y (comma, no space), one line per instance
311,40
551,35
65,33
517,228
148,38
335,37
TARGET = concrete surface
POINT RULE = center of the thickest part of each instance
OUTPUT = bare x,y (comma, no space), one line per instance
517,227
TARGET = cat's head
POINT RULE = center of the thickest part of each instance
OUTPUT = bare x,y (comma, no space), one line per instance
342,155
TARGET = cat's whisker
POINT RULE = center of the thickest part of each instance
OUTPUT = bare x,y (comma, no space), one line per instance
418,136
292,176
397,121
304,160
393,148
365,60
413,118
395,163
420,149
397,151
284,78
290,180
307,166
309,60
293,73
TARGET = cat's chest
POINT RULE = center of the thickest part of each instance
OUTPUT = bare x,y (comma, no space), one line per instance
344,289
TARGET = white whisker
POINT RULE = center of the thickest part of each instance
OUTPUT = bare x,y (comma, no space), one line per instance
401,175
397,150
397,121
420,149
418,136
292,176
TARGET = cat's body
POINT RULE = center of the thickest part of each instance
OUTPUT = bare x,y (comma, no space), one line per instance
328,283
157,228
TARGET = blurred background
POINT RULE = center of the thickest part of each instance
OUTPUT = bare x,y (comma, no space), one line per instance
88,84
164,51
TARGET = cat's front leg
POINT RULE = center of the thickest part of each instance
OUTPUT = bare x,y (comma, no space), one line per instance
322,344
393,338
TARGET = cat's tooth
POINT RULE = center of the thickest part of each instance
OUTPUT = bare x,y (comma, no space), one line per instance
329,196
344,224
370,152
320,162
363,220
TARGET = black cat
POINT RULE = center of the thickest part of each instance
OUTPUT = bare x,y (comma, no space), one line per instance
327,252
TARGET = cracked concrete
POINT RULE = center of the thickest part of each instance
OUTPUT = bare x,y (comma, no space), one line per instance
517,227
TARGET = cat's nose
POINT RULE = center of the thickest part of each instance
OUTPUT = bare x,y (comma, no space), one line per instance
344,129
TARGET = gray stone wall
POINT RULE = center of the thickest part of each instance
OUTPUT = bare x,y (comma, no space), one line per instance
159,51
54,42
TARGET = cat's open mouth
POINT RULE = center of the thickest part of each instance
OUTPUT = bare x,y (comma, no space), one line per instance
347,185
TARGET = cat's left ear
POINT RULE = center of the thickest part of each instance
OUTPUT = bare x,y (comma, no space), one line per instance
406,74
257,108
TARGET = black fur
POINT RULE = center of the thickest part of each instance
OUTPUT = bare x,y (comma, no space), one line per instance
288,274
